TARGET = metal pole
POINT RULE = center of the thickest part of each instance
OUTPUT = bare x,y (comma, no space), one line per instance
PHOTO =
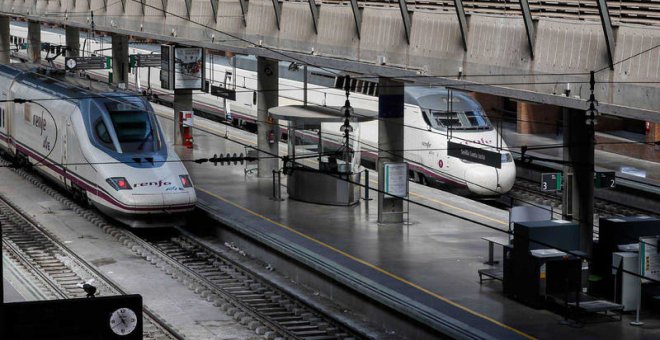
366,185
639,304
305,85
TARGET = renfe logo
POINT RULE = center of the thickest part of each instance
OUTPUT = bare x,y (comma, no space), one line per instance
39,122
152,184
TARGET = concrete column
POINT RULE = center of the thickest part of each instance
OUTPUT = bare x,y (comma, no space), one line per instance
390,145
578,199
119,59
34,42
183,101
5,44
267,97
73,41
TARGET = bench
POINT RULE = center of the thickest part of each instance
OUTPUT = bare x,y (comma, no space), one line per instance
491,274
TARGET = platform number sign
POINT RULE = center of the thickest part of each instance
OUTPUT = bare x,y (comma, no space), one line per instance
551,182
605,179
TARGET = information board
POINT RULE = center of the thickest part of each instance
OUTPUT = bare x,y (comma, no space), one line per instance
188,68
551,181
145,60
649,259
605,179
396,179
88,63
223,92
472,154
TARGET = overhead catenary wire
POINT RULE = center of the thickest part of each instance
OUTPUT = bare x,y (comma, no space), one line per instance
252,91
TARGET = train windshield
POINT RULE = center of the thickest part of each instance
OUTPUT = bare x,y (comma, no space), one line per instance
466,120
134,127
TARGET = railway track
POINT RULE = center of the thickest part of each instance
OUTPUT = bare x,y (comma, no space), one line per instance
243,295
246,297
54,270
528,191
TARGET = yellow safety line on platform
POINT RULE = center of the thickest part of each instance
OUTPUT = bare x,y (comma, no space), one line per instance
365,263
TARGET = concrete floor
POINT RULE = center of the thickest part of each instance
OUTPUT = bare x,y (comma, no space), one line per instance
436,252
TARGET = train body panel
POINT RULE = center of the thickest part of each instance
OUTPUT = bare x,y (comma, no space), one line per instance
107,148
425,140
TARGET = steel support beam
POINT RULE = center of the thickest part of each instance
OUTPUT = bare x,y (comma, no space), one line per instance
607,30
244,9
278,12
315,15
164,2
462,21
529,25
405,16
357,15
214,7
188,8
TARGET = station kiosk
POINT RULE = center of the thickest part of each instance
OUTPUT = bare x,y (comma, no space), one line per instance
321,167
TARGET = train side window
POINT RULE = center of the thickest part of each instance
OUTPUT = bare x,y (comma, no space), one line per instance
2,117
372,89
102,132
339,82
426,118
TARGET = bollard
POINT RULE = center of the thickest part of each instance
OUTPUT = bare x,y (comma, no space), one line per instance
277,185
366,185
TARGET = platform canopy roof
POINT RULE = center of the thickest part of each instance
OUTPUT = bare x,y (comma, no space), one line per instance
312,115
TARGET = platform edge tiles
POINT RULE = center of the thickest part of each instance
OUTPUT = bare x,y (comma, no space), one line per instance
370,281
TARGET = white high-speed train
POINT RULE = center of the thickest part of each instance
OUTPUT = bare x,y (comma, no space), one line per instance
104,146
432,115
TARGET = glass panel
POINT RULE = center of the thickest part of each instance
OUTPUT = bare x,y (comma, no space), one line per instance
468,120
135,128
102,133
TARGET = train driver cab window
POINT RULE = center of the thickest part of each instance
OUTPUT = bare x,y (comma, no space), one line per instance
136,129
466,120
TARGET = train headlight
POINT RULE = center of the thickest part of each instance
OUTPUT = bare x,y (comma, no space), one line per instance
119,183
506,157
185,181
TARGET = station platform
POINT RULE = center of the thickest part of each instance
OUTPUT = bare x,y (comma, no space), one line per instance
426,268
629,168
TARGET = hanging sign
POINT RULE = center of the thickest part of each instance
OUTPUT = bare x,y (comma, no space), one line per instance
476,155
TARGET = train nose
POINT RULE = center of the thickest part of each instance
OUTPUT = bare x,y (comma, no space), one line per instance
488,181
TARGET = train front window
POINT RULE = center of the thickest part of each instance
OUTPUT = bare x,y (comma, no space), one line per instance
465,120
136,129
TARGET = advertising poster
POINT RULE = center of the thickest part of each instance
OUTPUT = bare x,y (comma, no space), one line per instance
188,68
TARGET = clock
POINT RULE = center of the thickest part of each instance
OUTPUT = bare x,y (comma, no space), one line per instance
71,63
123,321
